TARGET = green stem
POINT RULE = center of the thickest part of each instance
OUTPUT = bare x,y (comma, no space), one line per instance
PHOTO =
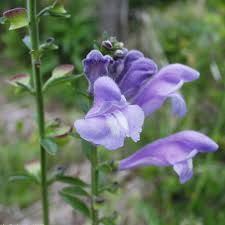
36,81
94,185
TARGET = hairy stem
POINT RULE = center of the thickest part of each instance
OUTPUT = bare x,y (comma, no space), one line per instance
94,185
36,82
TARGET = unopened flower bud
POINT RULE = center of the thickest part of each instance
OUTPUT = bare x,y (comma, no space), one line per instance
119,54
99,200
119,45
50,40
107,44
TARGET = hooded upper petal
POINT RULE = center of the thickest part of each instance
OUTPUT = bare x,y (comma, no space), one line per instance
176,150
130,58
136,75
162,85
111,119
95,65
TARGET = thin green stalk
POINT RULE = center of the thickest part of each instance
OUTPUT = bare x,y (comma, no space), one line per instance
36,81
94,185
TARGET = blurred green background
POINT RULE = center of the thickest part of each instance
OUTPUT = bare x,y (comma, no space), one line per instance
168,31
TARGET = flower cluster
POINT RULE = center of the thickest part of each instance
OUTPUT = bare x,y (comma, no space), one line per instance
126,90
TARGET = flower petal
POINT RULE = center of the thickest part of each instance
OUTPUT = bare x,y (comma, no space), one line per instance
166,82
184,170
139,71
115,68
104,131
107,97
111,119
178,104
135,117
95,65
131,57
175,150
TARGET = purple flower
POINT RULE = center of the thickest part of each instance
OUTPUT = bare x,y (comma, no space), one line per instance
95,66
176,150
127,88
137,70
139,81
111,118
134,78
163,85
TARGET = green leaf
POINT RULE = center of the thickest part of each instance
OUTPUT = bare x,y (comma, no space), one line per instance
76,190
105,168
72,180
24,177
60,80
20,178
61,74
17,18
49,145
52,177
76,203
82,101
26,87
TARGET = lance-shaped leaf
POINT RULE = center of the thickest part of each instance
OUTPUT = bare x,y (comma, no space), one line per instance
52,177
17,18
75,190
76,203
24,177
71,180
61,74
49,145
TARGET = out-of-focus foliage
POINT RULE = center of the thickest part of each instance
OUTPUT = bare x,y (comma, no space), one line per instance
143,3
74,35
